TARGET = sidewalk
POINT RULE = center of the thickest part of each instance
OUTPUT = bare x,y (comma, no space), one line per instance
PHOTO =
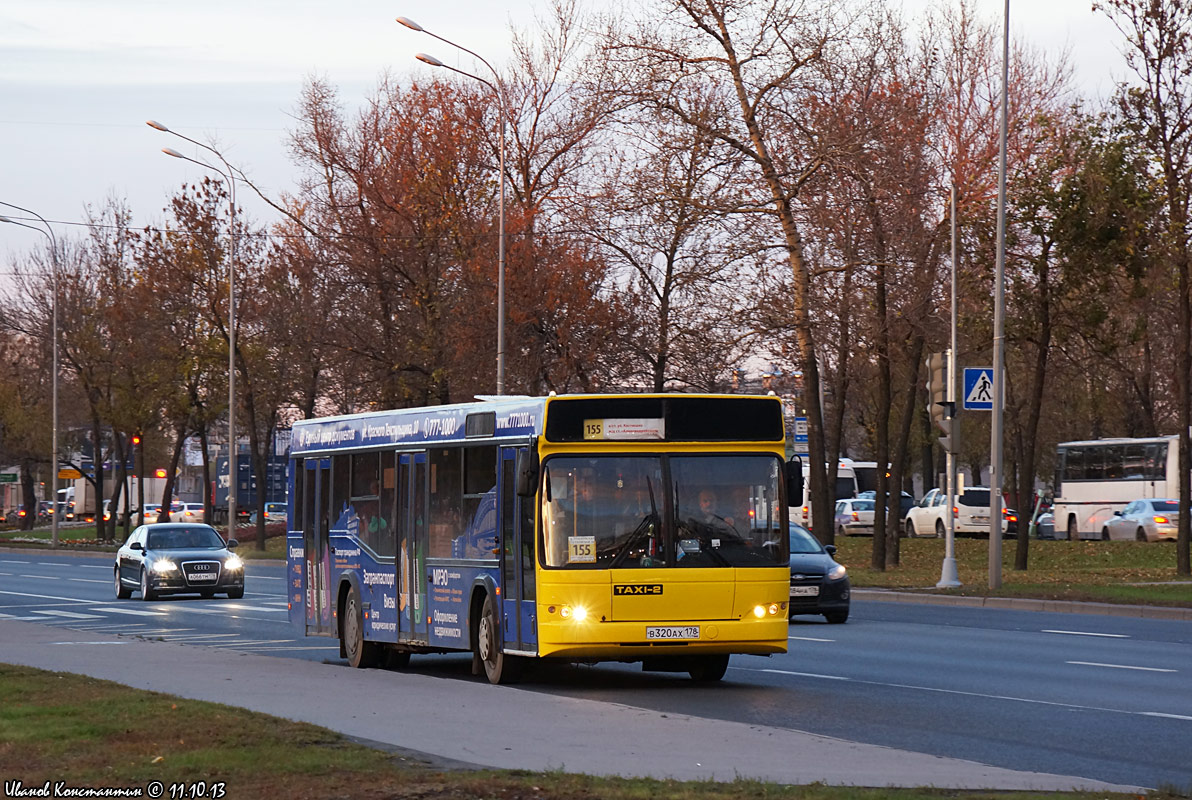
459,720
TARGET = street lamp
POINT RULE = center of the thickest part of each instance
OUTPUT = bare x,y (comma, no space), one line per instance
230,180
434,62
49,233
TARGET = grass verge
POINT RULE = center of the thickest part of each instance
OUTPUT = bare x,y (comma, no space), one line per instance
90,733
1143,573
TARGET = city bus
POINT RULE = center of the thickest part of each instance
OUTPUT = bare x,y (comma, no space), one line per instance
584,528
1095,478
848,484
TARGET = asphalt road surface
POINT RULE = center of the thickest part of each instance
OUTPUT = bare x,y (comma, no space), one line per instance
1104,698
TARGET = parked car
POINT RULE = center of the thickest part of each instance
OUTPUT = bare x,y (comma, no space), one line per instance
819,585
177,558
971,511
854,516
906,502
274,512
1045,526
1146,520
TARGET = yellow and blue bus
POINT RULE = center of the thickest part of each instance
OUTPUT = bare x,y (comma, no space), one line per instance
634,528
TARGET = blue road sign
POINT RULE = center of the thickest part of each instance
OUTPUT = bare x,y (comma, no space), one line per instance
978,388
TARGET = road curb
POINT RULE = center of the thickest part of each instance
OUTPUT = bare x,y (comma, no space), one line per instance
1025,604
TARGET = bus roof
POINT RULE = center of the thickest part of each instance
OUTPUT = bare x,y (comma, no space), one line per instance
1147,440
675,417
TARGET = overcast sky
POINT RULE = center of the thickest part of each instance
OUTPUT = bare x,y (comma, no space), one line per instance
78,79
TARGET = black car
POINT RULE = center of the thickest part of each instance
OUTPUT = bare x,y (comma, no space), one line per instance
818,584
177,558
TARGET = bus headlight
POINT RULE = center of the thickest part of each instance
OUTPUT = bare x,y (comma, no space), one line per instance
163,565
759,611
579,613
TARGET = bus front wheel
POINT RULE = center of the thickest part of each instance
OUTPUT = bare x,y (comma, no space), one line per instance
498,667
360,654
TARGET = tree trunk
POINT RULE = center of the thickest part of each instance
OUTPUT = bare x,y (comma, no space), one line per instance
208,494
29,500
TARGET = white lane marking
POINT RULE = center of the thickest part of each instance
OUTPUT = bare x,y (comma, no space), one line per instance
961,693
107,567
13,562
1090,633
802,674
280,649
73,615
87,580
50,564
188,636
133,611
1119,666
247,642
49,597
240,607
807,639
42,577
1165,716
22,619
88,642
267,578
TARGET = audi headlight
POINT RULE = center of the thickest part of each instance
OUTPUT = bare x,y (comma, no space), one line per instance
163,565
837,572
233,563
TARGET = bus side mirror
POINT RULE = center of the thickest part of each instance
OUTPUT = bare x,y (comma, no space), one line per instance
527,471
794,482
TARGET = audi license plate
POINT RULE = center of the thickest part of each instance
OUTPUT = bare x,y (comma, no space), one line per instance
672,632
804,591
200,577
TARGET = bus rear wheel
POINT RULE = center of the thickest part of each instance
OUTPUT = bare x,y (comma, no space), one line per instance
360,654
498,667
707,669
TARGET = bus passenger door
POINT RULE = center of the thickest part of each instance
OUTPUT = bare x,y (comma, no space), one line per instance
316,527
412,542
517,559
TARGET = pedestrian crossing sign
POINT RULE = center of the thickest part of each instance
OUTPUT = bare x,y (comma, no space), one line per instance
978,388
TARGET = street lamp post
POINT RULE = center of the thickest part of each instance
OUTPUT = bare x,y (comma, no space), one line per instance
230,180
49,233
434,62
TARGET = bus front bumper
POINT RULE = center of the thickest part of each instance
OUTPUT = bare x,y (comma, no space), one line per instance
613,641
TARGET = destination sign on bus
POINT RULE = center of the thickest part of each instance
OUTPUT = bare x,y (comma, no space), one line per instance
624,429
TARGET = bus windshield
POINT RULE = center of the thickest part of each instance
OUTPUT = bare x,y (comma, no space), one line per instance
662,511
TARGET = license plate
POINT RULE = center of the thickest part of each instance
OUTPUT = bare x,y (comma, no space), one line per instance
200,577
673,632
980,520
804,591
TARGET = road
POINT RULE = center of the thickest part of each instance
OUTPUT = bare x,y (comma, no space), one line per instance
1100,697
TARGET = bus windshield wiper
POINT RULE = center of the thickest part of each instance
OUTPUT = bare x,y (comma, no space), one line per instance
648,523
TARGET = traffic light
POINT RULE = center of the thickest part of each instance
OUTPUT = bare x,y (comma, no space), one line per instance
941,409
136,440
